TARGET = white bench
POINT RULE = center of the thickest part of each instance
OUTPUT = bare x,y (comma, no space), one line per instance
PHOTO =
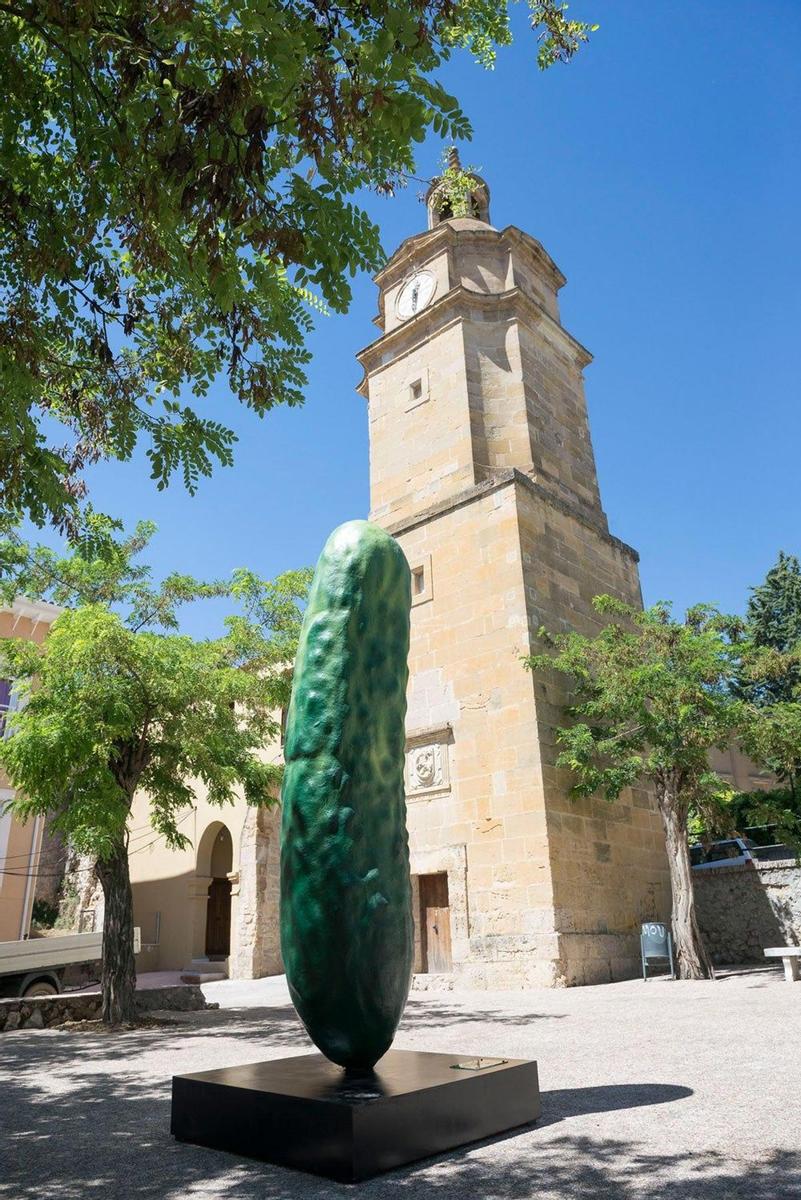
791,957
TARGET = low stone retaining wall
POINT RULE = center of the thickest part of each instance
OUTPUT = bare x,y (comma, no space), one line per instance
43,1012
742,910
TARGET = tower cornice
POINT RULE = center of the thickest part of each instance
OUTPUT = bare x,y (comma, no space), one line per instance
420,248
459,229
455,306
511,477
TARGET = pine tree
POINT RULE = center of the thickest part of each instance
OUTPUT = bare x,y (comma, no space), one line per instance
649,701
773,622
769,678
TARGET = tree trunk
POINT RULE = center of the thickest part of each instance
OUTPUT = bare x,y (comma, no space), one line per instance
692,960
118,978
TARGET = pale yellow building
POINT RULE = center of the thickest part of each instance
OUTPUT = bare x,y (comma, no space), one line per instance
481,464
213,907
20,843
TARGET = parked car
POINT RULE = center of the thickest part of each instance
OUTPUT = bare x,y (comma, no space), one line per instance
731,852
766,846
762,835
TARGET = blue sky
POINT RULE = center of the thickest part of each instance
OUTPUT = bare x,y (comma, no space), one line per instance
661,170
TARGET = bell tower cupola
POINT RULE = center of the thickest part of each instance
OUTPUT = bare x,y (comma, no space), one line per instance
457,194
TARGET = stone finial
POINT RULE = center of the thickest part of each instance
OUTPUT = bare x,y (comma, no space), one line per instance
454,162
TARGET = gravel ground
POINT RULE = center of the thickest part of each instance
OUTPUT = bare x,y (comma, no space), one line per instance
678,1091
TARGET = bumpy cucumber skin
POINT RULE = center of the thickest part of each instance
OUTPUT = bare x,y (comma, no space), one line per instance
346,911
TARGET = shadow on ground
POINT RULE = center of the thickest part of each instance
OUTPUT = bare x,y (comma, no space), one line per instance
757,974
85,1114
578,1102
432,1014
107,1136
91,1129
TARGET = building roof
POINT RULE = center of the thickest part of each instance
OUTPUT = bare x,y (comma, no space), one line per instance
39,611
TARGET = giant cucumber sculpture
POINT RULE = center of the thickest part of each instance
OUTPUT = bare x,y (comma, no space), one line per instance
346,916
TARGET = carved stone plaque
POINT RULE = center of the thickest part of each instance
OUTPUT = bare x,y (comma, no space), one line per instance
427,766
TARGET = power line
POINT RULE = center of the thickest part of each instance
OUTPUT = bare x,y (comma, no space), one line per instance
21,874
140,830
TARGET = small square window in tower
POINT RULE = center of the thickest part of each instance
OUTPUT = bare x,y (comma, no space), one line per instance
421,580
418,391
435,924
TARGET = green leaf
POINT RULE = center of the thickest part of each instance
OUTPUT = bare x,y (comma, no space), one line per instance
176,197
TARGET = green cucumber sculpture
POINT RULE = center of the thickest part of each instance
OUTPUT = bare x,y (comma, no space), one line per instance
346,914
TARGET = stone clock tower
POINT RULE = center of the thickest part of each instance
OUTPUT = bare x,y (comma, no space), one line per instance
481,465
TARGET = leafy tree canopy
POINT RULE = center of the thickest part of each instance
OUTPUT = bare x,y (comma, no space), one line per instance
776,810
116,701
772,737
113,703
108,710
175,184
650,698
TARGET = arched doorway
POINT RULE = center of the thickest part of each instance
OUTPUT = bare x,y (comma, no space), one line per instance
219,849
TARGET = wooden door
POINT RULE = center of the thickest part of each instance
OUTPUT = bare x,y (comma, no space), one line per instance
435,924
218,919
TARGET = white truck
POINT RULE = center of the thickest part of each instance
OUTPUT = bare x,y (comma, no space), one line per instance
37,966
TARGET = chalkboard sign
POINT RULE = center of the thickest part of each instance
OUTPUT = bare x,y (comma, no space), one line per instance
655,942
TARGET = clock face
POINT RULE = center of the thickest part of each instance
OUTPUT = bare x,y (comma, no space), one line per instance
415,294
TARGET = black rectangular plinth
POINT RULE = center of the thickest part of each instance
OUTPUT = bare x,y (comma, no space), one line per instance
306,1113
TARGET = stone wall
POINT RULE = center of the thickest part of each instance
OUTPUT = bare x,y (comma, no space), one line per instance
542,889
608,863
171,887
82,903
43,1012
52,864
256,949
744,909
